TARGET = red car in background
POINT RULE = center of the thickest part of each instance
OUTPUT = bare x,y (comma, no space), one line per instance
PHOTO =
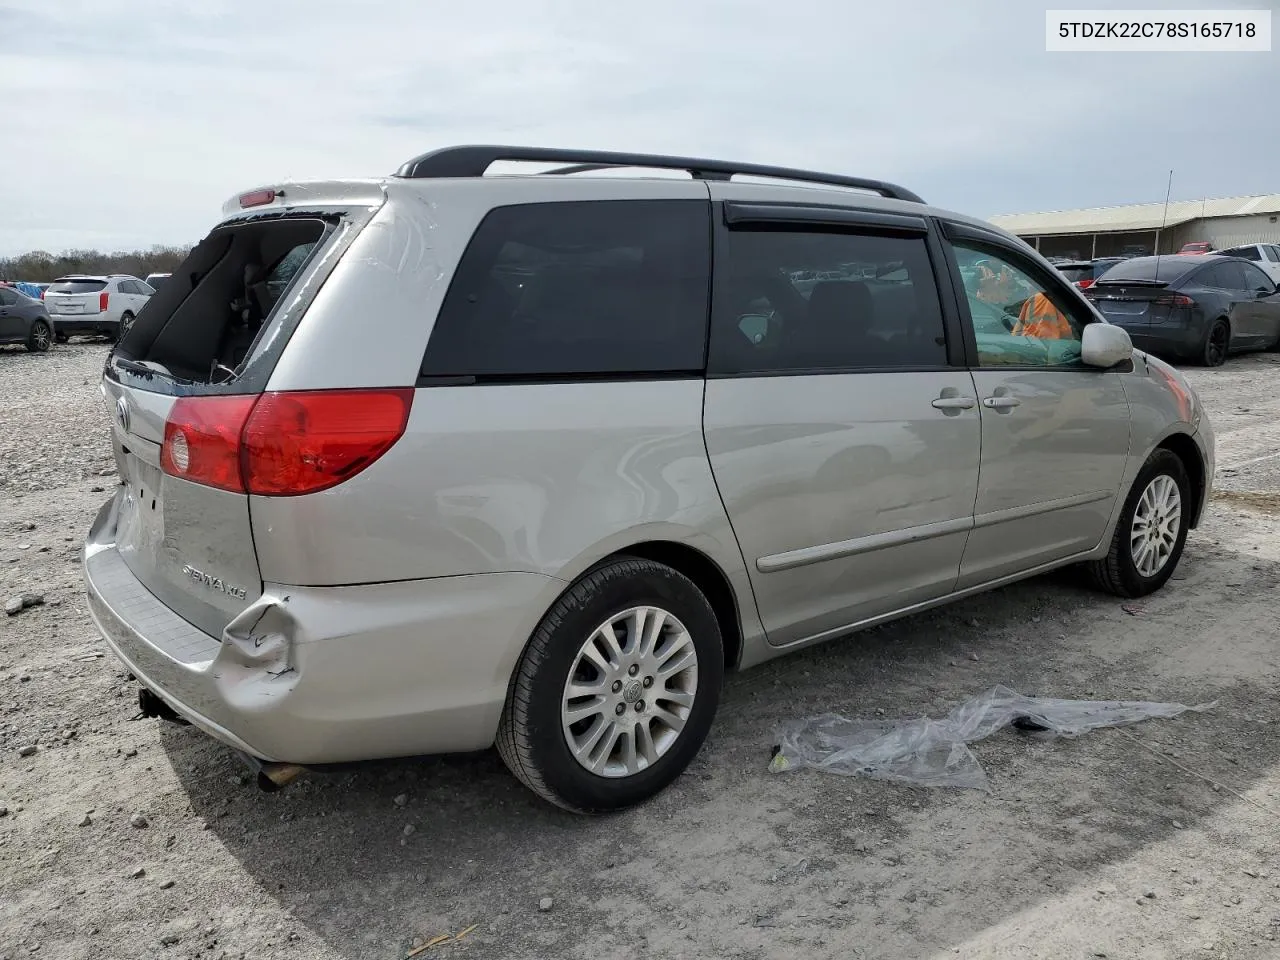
1195,247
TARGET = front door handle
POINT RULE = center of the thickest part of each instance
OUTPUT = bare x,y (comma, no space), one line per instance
955,403
1000,403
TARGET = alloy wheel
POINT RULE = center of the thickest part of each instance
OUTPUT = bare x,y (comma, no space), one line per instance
1217,353
630,692
1156,524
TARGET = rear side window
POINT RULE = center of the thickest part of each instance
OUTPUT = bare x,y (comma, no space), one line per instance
8,299
610,287
1077,273
797,301
1255,279
1249,253
77,286
1214,276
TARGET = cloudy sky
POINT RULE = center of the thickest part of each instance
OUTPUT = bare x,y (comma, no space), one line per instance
128,122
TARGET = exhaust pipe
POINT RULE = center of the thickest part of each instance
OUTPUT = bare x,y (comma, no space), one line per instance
272,776
152,706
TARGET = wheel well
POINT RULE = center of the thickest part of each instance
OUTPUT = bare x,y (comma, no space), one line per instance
1185,449
709,578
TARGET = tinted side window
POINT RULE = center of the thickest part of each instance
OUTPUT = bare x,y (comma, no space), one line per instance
811,300
1251,252
1213,276
7,299
128,286
1273,253
579,288
1231,275
1255,279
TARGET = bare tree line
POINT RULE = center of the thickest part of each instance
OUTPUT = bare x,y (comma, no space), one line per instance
40,266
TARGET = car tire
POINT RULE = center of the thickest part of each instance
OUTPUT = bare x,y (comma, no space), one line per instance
1128,571
1217,344
62,337
588,637
39,337
126,324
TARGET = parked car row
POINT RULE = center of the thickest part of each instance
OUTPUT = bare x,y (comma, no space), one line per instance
1199,307
37,314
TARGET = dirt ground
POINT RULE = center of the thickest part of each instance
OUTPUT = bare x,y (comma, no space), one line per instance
1156,841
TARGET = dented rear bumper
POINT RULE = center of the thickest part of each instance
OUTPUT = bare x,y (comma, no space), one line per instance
328,674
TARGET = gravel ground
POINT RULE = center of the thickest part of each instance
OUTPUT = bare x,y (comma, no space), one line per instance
132,839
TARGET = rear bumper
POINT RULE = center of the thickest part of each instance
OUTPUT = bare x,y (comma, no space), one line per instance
75,322
328,674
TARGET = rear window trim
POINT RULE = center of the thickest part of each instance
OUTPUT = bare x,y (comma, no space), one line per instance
258,367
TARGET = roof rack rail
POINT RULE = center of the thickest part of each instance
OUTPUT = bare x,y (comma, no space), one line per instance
474,160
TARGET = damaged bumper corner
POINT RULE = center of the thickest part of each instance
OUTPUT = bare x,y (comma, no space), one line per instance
318,675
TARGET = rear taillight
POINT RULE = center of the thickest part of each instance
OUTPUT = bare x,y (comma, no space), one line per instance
1084,284
102,302
1173,300
282,444
202,440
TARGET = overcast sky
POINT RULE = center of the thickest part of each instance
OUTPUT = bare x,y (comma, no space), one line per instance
128,123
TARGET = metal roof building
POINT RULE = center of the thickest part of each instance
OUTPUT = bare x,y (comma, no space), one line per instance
1147,228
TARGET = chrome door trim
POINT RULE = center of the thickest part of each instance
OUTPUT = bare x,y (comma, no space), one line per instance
1045,506
848,548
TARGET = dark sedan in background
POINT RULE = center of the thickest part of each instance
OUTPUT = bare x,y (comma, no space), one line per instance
1200,307
24,320
1085,273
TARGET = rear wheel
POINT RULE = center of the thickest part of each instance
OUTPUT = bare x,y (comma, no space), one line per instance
39,337
616,690
1217,342
126,324
1151,532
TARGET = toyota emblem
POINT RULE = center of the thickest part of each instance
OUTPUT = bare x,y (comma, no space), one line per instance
122,413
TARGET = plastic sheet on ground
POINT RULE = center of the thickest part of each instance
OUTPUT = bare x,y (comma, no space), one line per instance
935,753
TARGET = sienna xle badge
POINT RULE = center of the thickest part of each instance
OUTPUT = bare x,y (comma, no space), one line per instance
439,461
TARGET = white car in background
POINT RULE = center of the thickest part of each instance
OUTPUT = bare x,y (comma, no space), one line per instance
86,304
1265,256
155,279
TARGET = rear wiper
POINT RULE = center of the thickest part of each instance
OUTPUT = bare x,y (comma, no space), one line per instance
142,370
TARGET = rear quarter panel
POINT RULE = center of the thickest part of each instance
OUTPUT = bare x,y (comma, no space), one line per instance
545,478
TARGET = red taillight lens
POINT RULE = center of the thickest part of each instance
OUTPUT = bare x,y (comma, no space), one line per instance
1084,284
282,444
306,441
202,440
102,301
1174,300
257,198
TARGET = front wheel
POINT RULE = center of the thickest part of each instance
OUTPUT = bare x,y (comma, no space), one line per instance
1151,531
39,337
616,691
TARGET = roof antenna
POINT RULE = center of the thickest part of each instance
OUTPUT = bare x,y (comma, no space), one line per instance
1163,222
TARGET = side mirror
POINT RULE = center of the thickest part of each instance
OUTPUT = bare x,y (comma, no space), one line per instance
1105,346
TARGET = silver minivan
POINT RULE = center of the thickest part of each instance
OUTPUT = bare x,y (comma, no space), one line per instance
447,459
